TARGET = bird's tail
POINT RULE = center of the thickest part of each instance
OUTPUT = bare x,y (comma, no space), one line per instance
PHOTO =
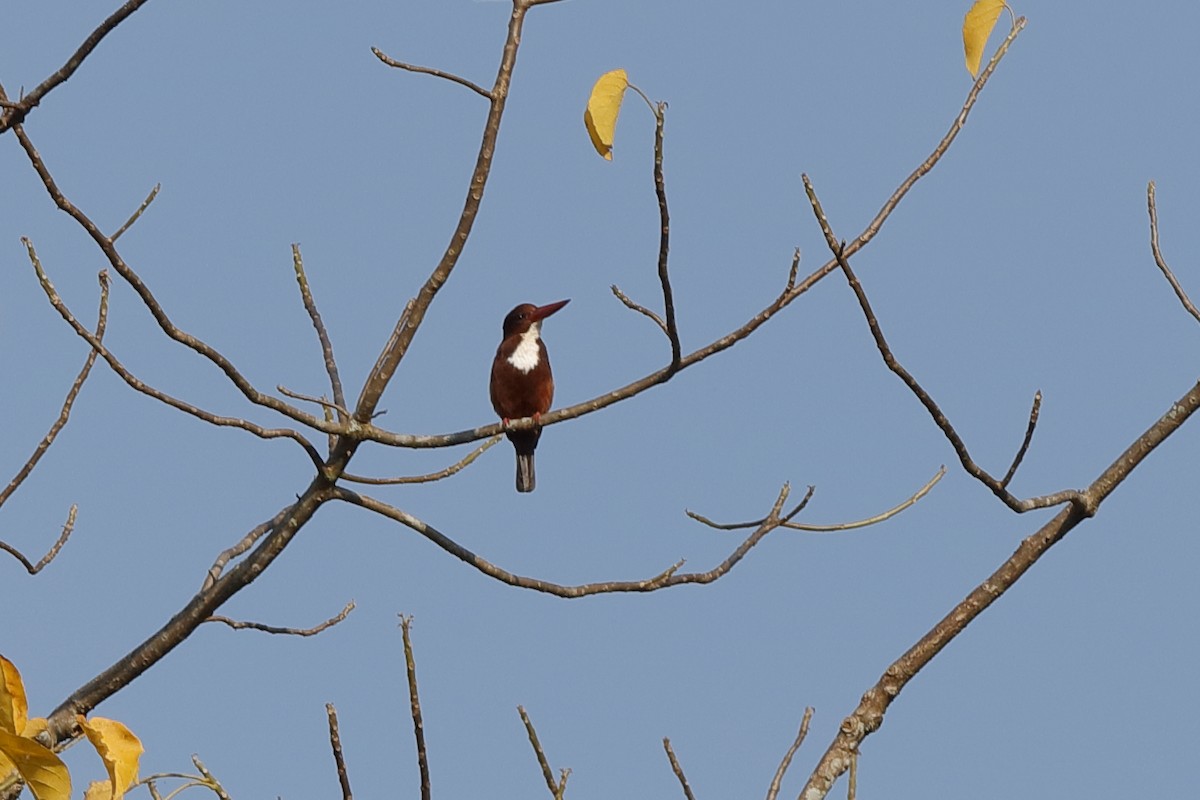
525,479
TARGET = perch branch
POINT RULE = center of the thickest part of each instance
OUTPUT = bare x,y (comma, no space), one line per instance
414,700
1152,206
239,625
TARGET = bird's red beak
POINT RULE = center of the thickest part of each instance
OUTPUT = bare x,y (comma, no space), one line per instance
541,312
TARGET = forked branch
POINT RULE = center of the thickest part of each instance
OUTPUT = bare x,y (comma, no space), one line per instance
64,413
668,577
841,526
867,718
240,625
997,487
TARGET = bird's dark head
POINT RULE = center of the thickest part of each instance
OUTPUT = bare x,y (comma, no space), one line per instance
526,315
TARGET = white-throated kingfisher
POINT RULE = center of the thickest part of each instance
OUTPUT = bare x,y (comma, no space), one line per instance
522,385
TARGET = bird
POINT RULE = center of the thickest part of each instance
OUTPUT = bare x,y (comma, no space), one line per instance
522,385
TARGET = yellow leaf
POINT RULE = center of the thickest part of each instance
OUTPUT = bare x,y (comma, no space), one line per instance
34,727
14,709
98,790
119,749
603,107
43,772
977,27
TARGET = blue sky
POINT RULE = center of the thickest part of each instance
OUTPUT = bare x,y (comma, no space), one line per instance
1020,263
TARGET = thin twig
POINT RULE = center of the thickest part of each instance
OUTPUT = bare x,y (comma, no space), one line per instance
414,700
17,111
547,773
792,273
34,569
641,309
668,577
453,469
678,770
852,785
240,547
212,782
664,239
1152,205
1033,419
335,744
841,526
773,791
308,398
310,305
65,412
940,419
240,625
437,73
137,214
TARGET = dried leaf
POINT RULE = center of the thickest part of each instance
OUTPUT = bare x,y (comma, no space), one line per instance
43,772
603,108
14,709
119,749
977,27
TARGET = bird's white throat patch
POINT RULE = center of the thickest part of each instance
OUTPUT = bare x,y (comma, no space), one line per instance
528,354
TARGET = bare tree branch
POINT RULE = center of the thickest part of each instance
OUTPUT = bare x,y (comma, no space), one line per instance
1033,420
410,322
410,667
453,469
1152,206
641,309
335,744
137,214
64,413
841,526
376,434
34,569
939,418
138,385
678,770
437,73
310,305
668,577
18,111
868,717
773,791
211,782
239,625
148,299
556,787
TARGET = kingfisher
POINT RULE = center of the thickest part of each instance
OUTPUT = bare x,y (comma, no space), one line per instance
522,385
